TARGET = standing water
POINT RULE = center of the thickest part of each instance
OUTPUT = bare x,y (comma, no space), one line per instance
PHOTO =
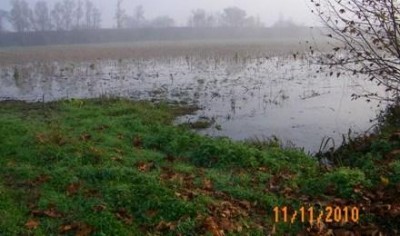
244,97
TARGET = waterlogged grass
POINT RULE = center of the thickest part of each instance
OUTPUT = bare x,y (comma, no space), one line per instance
115,167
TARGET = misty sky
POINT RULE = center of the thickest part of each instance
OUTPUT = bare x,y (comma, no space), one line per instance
267,10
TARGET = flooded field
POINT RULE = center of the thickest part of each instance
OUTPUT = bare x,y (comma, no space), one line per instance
243,91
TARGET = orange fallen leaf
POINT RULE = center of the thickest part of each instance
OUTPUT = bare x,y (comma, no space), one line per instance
207,184
32,224
144,167
73,188
212,227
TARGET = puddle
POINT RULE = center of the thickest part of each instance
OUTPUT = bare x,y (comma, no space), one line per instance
245,97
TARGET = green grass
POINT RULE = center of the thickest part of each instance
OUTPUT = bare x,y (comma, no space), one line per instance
116,167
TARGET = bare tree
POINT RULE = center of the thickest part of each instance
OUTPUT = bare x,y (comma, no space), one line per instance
88,14
253,22
284,23
20,15
198,18
3,18
96,18
68,7
139,14
92,16
162,22
78,14
56,16
120,15
367,40
41,17
138,20
234,17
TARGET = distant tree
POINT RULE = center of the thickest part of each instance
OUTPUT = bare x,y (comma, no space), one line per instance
253,22
20,15
96,18
284,23
78,14
233,17
92,16
56,17
137,20
162,22
68,7
366,35
3,18
41,17
212,20
88,14
139,14
120,14
198,18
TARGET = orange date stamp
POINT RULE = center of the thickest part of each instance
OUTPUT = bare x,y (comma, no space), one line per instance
329,214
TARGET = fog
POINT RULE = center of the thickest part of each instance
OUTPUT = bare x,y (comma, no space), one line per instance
268,11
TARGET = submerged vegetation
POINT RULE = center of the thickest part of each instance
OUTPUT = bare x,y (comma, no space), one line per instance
116,167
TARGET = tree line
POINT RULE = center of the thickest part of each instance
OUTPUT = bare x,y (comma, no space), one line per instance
67,15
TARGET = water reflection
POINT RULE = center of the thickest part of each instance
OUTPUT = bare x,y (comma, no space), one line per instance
246,97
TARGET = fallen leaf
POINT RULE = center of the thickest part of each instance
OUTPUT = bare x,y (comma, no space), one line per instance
212,227
66,228
151,213
53,213
227,225
137,142
102,127
41,138
41,179
32,224
85,137
384,181
99,208
207,184
84,230
73,188
166,226
124,216
395,210
118,159
145,167
245,204
263,169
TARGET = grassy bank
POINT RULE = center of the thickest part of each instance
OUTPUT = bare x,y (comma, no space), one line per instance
114,167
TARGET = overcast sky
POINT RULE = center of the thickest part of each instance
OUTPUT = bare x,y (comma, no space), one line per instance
267,10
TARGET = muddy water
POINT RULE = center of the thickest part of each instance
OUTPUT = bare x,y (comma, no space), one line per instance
245,97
